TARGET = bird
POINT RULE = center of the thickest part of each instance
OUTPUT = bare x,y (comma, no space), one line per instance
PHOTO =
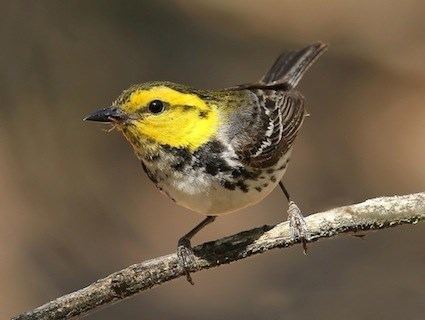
217,151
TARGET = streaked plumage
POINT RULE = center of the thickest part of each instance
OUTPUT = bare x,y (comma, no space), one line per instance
249,154
215,151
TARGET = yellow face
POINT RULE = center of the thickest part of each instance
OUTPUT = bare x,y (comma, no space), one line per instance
166,116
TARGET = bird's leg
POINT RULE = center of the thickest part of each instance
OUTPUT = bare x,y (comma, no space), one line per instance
184,247
296,220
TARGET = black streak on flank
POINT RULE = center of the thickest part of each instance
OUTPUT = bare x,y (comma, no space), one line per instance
209,157
245,174
242,186
258,189
236,173
211,168
215,146
214,166
229,185
252,175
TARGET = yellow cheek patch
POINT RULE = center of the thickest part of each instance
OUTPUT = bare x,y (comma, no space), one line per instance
180,128
187,122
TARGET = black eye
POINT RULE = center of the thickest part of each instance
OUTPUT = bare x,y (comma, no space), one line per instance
156,106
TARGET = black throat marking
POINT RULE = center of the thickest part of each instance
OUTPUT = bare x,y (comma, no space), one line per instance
211,160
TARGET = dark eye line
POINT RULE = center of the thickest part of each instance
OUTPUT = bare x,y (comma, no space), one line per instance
188,108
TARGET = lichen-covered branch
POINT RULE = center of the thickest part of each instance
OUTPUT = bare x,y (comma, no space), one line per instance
372,214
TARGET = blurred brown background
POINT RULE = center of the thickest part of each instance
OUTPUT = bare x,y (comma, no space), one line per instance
75,204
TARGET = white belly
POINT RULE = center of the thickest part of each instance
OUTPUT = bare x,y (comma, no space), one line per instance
206,195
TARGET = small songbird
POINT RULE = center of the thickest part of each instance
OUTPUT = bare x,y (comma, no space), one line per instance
217,151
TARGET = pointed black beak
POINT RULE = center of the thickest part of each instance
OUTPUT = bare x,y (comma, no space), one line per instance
112,114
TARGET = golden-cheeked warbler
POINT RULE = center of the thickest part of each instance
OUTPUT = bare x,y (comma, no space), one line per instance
217,151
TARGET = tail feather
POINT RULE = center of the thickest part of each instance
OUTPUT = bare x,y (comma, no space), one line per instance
290,67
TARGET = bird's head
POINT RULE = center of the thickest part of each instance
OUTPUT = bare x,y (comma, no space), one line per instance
162,114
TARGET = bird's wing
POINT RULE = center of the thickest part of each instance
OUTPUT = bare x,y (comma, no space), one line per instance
274,121
278,118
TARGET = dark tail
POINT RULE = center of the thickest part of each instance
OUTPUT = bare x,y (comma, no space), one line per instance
290,67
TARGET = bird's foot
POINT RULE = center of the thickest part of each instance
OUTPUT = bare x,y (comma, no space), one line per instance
297,224
186,257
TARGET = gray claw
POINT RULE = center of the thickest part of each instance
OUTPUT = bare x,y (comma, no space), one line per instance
186,257
297,223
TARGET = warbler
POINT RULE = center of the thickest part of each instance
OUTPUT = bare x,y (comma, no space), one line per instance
217,151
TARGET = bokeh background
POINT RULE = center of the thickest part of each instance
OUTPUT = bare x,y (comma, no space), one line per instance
76,206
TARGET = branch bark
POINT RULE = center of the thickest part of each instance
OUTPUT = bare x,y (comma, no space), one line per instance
373,214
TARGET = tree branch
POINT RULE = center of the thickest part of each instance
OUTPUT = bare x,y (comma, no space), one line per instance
372,214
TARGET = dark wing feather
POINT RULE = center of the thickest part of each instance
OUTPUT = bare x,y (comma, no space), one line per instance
288,69
281,116
278,115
